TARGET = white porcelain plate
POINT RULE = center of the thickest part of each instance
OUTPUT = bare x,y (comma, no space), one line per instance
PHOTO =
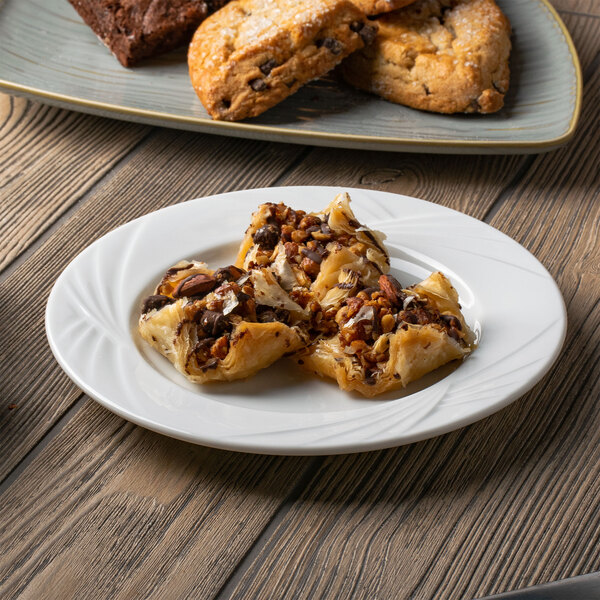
49,53
508,298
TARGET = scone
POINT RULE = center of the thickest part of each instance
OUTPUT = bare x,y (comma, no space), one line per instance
220,325
389,336
445,56
328,253
377,7
252,54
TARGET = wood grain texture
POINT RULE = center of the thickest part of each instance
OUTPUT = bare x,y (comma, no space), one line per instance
51,158
585,37
507,502
152,517
470,184
169,167
584,7
109,510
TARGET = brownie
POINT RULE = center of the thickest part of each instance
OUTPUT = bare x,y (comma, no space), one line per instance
137,29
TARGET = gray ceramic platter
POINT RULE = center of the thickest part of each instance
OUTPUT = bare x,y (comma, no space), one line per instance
48,53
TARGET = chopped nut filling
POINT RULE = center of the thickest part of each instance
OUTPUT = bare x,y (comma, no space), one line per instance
304,238
365,320
216,303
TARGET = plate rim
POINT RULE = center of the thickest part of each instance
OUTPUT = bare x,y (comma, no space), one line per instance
243,129
320,448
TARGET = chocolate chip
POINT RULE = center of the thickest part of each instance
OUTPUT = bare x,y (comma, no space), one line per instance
366,32
210,364
322,250
174,270
452,321
266,237
155,302
226,103
314,256
376,326
258,85
265,314
333,45
267,67
230,273
194,285
203,345
454,334
282,315
213,323
409,317
369,291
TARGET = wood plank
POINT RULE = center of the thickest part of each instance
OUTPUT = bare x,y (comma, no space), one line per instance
169,167
111,509
508,502
584,31
51,158
470,184
584,7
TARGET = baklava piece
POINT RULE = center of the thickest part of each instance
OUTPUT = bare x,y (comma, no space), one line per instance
328,253
221,325
389,336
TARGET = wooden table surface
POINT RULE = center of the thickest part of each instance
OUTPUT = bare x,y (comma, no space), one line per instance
96,507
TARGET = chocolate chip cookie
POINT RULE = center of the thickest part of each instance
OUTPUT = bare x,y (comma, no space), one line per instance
252,54
444,56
